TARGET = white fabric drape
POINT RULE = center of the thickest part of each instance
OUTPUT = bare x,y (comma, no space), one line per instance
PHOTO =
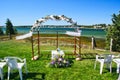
24,36
73,33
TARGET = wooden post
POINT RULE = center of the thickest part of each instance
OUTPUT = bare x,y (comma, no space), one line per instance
111,43
75,46
38,44
57,40
93,42
32,48
80,46
78,56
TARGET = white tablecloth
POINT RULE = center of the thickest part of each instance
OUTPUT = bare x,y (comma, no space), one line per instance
56,54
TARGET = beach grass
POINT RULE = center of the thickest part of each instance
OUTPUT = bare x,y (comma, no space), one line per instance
38,70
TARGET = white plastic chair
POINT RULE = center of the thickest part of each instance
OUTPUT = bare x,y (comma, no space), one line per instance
118,77
2,64
104,59
16,63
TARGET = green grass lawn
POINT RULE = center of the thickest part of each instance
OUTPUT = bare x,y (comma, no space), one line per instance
80,70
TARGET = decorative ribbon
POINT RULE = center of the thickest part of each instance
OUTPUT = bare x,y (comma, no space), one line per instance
24,36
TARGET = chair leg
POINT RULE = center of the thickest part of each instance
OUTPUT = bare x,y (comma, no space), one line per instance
20,73
118,77
118,68
110,67
1,74
101,67
95,65
8,73
26,69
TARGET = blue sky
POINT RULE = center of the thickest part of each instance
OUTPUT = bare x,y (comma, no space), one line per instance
84,12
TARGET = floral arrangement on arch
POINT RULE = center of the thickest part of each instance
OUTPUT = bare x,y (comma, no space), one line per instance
53,17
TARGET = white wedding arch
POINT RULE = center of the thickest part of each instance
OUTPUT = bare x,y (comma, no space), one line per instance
51,17
37,25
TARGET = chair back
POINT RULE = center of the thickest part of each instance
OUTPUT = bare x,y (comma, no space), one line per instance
108,58
12,62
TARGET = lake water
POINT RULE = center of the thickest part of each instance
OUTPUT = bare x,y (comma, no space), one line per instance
98,33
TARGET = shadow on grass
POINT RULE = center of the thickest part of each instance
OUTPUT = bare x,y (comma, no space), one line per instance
114,70
88,55
72,56
106,70
35,76
29,76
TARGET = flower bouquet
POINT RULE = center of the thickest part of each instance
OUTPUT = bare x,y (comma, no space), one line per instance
60,63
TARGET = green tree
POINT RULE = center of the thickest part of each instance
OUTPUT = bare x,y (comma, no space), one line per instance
9,28
1,31
113,32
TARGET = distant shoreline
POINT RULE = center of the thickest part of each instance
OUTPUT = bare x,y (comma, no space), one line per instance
88,32
81,26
